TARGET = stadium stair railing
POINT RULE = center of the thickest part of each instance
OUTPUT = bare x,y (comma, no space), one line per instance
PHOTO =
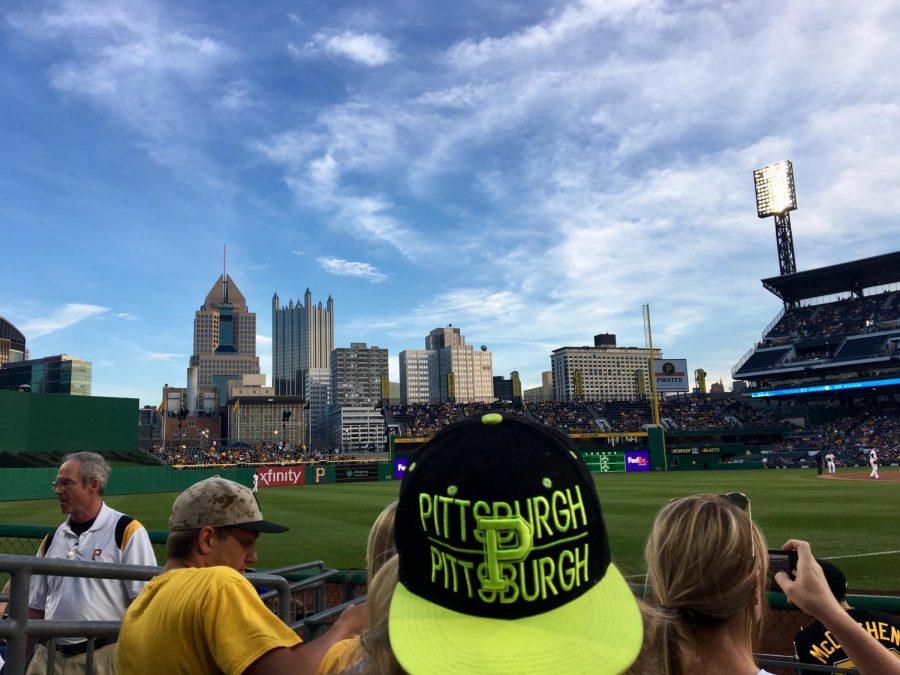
18,628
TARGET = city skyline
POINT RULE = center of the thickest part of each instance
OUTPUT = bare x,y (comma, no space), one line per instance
532,174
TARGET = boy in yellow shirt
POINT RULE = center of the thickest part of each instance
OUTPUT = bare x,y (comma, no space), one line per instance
202,615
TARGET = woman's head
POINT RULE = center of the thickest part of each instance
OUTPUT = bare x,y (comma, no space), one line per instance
381,544
706,565
378,656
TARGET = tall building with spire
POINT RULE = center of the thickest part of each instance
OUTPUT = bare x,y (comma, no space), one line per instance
224,339
302,339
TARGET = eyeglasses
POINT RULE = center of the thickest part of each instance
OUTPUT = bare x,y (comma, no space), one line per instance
739,499
742,501
61,483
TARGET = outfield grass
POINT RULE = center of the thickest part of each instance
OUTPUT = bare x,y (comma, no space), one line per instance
331,522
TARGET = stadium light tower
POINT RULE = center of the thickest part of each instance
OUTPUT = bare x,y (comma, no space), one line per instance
775,196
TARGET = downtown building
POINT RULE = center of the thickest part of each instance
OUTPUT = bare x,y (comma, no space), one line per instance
603,372
359,384
224,342
12,343
302,339
446,370
59,374
542,393
256,414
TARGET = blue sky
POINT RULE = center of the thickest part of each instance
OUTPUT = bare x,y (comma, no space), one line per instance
530,172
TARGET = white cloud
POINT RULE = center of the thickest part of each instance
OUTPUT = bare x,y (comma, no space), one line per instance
368,49
158,356
263,342
67,315
134,63
350,268
609,155
236,97
127,316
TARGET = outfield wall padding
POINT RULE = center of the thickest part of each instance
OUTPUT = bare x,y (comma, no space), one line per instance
125,480
319,473
65,423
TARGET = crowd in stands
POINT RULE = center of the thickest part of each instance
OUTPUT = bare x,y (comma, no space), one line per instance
692,412
850,438
833,319
424,420
575,417
181,454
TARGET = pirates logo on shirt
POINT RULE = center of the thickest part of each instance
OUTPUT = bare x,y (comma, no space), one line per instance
96,553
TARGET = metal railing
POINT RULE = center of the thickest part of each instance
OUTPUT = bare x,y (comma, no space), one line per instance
788,662
18,628
741,361
773,322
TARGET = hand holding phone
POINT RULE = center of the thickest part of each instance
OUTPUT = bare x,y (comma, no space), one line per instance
781,561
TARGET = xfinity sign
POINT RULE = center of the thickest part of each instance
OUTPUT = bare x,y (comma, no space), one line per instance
671,375
280,476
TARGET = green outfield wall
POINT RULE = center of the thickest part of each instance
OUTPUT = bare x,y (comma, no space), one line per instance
35,483
65,423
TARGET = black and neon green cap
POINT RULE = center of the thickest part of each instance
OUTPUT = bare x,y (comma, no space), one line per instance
505,565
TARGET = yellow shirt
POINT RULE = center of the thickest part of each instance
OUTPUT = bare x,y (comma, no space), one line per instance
340,656
198,620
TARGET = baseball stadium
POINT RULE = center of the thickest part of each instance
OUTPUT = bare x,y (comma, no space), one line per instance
811,442
824,379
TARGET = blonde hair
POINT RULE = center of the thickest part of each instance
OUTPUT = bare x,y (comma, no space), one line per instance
380,545
706,566
375,642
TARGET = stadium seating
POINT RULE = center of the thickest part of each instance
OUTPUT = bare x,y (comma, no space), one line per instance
693,412
825,336
849,438
843,317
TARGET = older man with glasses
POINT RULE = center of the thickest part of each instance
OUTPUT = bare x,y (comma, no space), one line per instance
92,532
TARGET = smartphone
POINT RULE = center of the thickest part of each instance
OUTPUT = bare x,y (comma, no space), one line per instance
781,561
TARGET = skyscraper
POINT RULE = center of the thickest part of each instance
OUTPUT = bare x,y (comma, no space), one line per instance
446,370
359,382
358,375
302,338
224,338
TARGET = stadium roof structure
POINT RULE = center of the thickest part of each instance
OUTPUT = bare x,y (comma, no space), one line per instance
851,276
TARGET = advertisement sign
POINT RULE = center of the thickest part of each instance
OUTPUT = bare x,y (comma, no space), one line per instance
637,460
280,476
671,375
604,461
400,465
354,472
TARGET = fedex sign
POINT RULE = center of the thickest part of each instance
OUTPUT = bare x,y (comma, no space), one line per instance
401,464
280,476
637,460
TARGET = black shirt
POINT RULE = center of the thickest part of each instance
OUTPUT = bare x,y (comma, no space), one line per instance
814,644
80,528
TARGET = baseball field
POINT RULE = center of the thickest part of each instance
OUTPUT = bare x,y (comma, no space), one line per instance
855,523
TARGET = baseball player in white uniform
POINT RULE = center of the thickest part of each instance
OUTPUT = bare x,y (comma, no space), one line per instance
873,460
255,483
829,460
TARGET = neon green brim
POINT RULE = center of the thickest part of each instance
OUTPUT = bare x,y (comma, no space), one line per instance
600,632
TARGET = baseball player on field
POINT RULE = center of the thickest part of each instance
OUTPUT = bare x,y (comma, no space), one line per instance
873,460
829,460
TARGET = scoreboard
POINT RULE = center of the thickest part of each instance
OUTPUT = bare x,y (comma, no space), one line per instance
603,461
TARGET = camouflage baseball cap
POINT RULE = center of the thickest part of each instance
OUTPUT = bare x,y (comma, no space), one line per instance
217,502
